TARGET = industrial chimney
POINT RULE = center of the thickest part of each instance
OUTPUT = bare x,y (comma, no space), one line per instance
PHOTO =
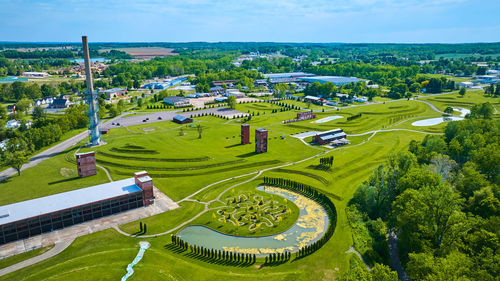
91,96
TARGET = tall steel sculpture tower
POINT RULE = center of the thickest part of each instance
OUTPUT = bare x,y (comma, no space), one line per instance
91,96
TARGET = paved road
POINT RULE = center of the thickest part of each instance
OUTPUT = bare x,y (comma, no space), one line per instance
58,248
393,252
56,149
140,118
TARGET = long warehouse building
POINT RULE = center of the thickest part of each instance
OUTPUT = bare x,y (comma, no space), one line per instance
32,217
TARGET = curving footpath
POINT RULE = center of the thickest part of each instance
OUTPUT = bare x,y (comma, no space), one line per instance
58,248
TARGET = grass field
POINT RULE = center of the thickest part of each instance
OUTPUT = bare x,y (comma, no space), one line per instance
457,55
467,101
183,164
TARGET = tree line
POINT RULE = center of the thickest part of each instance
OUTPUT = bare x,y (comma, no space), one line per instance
212,254
43,132
442,199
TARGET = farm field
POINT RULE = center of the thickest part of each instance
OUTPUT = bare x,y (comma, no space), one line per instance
145,51
183,165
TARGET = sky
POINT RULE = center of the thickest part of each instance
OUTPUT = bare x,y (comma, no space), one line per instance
348,21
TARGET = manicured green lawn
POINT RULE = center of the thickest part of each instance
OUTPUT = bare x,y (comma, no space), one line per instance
455,100
24,256
51,176
165,221
183,164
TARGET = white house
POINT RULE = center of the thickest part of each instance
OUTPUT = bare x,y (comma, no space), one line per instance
12,124
466,84
33,74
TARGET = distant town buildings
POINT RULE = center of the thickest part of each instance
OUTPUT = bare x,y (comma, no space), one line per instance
336,80
167,83
176,101
275,78
35,74
60,103
113,93
179,119
12,124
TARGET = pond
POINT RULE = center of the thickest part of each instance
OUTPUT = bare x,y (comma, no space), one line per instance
329,118
91,59
435,121
309,228
463,111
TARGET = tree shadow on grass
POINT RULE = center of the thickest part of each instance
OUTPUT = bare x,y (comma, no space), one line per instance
64,180
275,263
175,249
233,145
250,154
320,167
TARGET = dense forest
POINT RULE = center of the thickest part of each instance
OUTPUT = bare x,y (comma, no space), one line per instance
442,199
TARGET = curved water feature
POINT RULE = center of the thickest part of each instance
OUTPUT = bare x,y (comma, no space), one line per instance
327,119
435,121
309,228
463,111
130,270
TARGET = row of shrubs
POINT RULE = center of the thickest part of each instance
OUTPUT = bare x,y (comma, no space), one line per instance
161,106
306,174
353,117
216,255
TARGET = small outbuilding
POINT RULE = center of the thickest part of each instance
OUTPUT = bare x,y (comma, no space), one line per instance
179,119
336,136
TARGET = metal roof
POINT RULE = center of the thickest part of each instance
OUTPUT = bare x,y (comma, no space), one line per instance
337,80
180,117
114,90
175,99
61,201
287,75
